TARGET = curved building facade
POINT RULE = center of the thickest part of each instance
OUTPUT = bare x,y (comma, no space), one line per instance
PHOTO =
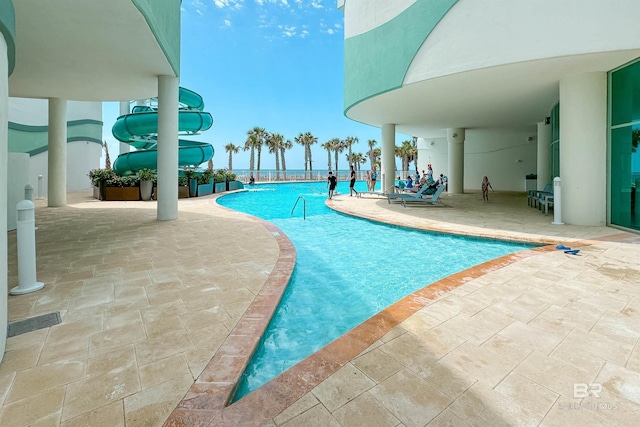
505,88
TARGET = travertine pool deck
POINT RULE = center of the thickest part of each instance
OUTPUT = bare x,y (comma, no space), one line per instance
158,319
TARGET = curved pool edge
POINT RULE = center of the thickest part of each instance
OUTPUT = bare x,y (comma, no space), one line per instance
209,397
215,386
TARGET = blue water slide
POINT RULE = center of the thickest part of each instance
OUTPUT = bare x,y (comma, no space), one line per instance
140,128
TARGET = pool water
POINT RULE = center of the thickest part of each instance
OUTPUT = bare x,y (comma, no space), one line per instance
347,269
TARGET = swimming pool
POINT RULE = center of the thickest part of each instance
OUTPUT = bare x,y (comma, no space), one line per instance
347,269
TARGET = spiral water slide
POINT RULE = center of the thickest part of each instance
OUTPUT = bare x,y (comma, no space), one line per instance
140,129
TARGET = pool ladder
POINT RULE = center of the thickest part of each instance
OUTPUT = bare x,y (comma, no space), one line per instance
304,207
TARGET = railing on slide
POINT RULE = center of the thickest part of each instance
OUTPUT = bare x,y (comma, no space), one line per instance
304,207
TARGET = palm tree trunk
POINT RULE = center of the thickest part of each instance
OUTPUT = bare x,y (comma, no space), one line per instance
251,161
284,167
277,165
310,161
259,155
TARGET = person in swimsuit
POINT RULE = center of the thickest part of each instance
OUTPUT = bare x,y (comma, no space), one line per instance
374,178
485,189
332,181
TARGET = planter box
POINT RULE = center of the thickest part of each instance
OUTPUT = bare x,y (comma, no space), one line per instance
205,189
96,193
235,185
183,192
122,193
220,187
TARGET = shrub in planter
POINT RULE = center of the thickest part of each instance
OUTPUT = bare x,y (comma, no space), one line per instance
205,183
99,178
122,188
192,178
146,177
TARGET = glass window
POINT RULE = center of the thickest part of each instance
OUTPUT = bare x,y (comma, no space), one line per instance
624,147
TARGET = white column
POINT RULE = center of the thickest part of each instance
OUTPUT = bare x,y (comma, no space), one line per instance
124,109
455,141
388,157
583,148
4,155
167,148
57,182
544,154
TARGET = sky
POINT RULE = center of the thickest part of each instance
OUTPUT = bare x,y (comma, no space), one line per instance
276,64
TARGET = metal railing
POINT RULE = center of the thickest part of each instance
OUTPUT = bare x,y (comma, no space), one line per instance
304,207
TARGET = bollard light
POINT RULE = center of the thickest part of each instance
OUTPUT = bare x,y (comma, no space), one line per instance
26,250
40,179
28,192
557,201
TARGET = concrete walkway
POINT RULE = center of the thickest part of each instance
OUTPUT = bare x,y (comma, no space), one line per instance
159,318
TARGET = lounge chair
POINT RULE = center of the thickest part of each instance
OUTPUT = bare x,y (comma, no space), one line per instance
401,196
386,193
435,199
534,196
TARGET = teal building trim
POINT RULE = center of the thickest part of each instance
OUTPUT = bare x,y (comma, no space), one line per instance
163,18
35,140
377,61
8,30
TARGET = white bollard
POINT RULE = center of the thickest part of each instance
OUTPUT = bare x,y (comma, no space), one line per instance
26,250
557,201
40,184
28,192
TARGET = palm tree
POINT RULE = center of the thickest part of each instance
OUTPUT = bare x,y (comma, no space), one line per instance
232,149
376,153
107,160
249,144
287,145
348,142
261,137
307,140
372,158
274,142
407,152
327,146
338,147
358,159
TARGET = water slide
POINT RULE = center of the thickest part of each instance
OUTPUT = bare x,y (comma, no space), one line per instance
139,129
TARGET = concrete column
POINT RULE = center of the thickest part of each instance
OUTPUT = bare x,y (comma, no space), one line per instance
167,148
124,109
544,154
583,148
57,183
455,141
388,157
4,155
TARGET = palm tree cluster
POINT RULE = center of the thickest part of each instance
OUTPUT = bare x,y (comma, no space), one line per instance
276,143
408,152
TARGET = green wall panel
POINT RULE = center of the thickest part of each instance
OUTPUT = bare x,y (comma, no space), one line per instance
163,18
8,30
377,61
34,139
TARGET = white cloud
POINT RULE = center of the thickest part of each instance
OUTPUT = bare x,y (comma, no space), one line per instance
288,31
316,4
227,23
232,4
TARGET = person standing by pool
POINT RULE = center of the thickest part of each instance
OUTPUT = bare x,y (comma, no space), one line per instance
374,178
352,182
368,180
332,181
